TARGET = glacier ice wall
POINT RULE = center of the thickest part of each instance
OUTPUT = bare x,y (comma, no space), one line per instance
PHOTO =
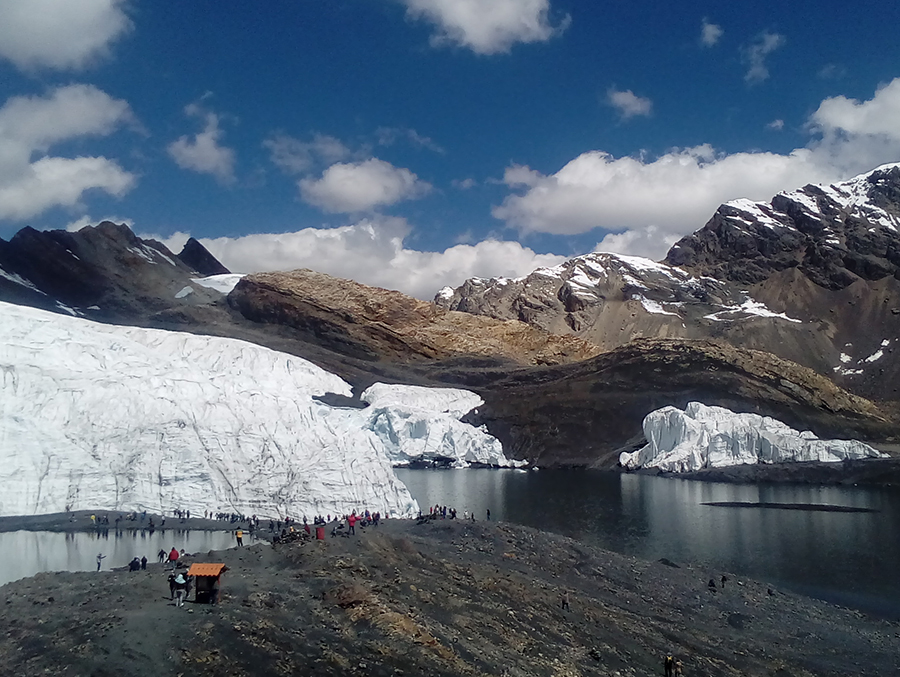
104,417
713,437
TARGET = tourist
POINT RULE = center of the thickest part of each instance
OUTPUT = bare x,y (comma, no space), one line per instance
171,580
239,535
143,563
161,555
669,666
564,600
173,557
100,558
180,587
488,514
351,522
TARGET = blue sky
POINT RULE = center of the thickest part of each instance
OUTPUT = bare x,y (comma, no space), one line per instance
414,143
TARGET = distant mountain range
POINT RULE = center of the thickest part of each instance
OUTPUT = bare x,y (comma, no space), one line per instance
813,277
774,308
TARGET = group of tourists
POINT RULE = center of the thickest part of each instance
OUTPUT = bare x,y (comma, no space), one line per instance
442,512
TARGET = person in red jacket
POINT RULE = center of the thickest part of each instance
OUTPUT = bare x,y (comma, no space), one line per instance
173,557
351,522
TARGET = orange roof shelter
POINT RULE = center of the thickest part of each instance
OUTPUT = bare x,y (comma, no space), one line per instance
207,577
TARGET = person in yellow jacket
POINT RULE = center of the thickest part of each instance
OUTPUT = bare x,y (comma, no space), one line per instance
239,535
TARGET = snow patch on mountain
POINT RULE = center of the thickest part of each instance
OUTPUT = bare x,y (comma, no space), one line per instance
95,416
220,283
714,437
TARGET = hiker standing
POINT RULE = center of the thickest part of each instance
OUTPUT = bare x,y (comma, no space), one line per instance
564,600
173,557
351,522
239,535
143,563
669,665
100,558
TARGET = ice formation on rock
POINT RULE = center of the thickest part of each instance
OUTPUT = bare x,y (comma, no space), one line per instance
713,437
105,417
406,415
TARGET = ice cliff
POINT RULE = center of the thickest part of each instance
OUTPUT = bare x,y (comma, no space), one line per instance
712,437
105,417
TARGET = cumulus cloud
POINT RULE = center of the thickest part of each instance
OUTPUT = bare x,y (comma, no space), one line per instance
487,26
294,156
361,186
372,251
628,104
756,54
646,203
31,125
61,34
202,152
710,33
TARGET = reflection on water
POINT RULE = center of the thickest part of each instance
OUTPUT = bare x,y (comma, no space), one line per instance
25,553
847,558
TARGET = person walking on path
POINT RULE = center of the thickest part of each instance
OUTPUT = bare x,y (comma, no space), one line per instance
161,555
488,514
239,535
100,558
564,600
173,557
180,588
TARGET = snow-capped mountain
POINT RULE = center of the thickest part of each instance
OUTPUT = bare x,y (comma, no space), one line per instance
96,416
714,437
813,276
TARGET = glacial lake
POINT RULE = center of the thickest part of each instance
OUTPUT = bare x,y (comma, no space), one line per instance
847,558
25,553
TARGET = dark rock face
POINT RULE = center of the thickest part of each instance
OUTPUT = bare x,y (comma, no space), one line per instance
196,256
835,235
104,272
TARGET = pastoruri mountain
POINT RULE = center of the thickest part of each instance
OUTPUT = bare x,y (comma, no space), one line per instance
812,276
568,360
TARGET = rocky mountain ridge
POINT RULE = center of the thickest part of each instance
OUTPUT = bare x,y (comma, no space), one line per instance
813,277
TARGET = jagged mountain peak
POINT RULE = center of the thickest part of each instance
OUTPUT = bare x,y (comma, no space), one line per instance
834,234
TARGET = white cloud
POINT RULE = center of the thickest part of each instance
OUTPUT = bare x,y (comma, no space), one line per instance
464,184
628,104
487,26
61,34
710,33
372,252
756,54
32,125
776,125
649,241
361,186
203,151
388,136
294,156
86,220
646,203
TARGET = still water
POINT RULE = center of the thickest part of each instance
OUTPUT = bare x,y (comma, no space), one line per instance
846,558
25,553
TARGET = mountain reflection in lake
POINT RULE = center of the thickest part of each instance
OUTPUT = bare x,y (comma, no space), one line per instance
25,553
847,558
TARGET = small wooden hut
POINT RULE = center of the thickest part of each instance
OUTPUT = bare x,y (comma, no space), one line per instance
207,579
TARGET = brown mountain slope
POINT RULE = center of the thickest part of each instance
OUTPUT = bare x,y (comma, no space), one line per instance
378,324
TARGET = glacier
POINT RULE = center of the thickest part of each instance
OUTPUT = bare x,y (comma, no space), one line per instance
106,417
713,437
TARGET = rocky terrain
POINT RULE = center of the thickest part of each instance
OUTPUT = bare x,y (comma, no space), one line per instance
813,277
440,598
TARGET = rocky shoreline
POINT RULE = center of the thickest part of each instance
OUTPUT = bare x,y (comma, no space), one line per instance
439,598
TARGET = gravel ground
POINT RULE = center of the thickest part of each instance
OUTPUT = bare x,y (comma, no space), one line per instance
439,598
